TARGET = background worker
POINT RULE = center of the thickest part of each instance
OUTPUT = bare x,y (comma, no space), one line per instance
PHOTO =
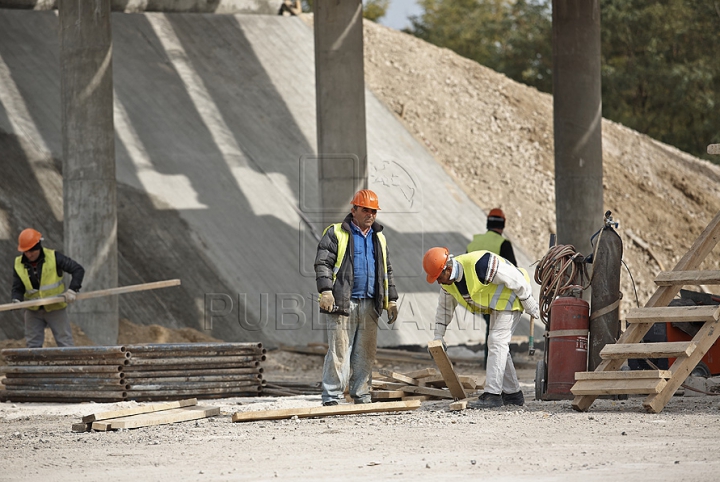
38,274
492,240
355,281
482,281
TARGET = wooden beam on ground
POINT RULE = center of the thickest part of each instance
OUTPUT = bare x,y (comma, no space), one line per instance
399,377
460,404
149,408
91,294
380,407
443,363
434,392
183,414
424,373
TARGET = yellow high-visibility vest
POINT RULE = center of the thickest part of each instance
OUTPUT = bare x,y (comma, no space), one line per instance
51,283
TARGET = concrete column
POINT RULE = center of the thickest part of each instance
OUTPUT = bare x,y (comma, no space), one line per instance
89,189
340,97
577,121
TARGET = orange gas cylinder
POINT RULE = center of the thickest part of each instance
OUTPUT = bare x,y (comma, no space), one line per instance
567,343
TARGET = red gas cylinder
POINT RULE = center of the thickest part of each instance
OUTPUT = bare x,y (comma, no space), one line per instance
567,343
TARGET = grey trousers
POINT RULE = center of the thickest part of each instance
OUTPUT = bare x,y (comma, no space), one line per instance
352,343
36,321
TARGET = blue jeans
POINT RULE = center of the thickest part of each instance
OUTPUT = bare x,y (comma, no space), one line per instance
352,343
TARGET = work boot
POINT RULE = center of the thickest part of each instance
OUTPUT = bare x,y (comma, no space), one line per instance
513,398
486,400
330,403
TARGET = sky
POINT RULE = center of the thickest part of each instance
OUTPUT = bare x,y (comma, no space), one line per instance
398,12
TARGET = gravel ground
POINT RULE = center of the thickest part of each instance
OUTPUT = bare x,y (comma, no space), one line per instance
540,441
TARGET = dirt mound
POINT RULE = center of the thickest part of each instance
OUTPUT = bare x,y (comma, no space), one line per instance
495,137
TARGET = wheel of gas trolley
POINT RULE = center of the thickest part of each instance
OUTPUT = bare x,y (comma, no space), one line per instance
701,370
539,379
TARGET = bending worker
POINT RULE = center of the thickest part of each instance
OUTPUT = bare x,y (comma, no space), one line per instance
484,282
492,240
38,274
355,280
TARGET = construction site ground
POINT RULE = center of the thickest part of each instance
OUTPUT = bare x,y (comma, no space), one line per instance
544,440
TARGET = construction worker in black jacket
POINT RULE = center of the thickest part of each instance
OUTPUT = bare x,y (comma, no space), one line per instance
37,274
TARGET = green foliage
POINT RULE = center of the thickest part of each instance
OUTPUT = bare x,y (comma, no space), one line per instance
661,69
660,59
372,9
375,9
512,37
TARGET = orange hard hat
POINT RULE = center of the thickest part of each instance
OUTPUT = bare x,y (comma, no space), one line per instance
27,239
365,198
434,262
496,213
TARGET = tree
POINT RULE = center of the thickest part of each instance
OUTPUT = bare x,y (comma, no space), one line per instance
512,37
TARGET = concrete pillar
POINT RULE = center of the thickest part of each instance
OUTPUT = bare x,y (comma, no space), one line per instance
340,97
577,121
89,190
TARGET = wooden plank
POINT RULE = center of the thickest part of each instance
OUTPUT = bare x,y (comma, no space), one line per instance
681,368
305,412
397,377
443,363
623,375
692,260
152,407
422,398
388,385
100,426
424,373
174,415
385,394
694,277
673,314
623,351
91,294
630,386
460,404
435,392
466,381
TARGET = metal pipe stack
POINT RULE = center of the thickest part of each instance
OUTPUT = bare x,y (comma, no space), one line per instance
133,372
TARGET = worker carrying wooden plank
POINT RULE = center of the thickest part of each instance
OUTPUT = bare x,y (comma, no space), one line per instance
484,282
38,273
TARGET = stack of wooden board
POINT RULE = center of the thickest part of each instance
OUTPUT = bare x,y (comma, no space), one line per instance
145,416
425,384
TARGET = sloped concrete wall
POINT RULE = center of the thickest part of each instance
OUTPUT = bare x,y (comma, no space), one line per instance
215,146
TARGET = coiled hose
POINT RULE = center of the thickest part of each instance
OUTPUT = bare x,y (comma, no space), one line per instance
560,271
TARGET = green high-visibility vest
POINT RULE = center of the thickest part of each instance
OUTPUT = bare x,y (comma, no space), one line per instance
343,238
481,297
51,283
489,241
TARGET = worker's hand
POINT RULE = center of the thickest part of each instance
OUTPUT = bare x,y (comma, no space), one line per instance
531,307
442,340
70,296
392,311
327,301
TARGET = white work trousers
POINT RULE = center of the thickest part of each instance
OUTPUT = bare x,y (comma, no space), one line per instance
500,372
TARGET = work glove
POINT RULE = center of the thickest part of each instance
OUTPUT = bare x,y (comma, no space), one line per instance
392,311
531,307
327,301
444,345
16,301
70,296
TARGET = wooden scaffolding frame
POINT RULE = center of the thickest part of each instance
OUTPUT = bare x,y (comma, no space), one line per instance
660,385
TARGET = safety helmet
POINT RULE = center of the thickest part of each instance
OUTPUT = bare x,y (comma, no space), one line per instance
496,219
27,239
434,262
365,198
